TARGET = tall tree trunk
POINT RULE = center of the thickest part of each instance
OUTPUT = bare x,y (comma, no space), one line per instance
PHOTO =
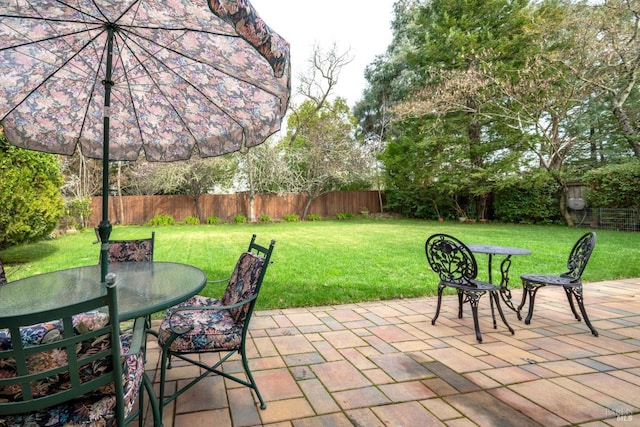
630,133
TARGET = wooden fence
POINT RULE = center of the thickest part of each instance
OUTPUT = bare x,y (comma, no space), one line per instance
140,209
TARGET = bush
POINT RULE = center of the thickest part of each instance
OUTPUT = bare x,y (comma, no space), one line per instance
292,218
314,217
265,218
213,220
30,202
528,200
344,216
161,220
191,220
240,219
614,186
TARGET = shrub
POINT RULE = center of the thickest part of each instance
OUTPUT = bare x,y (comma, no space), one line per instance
314,217
240,219
614,186
30,202
344,216
191,220
292,218
265,218
528,200
213,220
161,220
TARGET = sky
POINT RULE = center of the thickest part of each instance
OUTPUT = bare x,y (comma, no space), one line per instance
362,26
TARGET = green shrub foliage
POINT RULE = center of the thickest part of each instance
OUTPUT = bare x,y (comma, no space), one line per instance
213,220
614,186
530,200
30,200
191,220
292,218
240,219
161,220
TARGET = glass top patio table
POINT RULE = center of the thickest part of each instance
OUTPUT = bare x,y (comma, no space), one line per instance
143,288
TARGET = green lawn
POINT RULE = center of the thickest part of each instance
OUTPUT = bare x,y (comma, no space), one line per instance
334,262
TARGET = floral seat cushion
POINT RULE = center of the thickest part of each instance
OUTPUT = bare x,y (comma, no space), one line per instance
208,328
212,330
96,408
131,250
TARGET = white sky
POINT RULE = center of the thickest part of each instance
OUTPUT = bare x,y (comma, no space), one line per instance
363,26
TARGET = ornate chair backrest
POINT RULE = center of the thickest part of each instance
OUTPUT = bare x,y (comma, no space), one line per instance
246,280
135,250
451,259
580,255
76,360
3,275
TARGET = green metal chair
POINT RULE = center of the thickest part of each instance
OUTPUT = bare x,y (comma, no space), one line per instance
205,325
132,250
80,371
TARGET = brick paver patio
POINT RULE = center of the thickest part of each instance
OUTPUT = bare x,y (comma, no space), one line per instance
384,364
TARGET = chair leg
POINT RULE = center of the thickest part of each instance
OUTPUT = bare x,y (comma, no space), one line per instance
254,386
531,289
569,293
493,314
473,298
577,292
155,408
460,303
440,288
522,302
496,296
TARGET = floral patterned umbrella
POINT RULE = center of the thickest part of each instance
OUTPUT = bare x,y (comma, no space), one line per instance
118,79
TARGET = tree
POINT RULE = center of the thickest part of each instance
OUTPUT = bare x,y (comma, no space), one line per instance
260,169
30,201
194,177
319,149
613,34
439,42
324,155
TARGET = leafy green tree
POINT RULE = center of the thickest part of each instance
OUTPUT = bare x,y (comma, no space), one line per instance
430,75
194,177
30,201
321,153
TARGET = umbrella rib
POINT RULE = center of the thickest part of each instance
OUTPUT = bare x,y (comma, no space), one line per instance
179,53
55,71
160,90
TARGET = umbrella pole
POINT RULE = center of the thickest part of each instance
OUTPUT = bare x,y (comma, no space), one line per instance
104,229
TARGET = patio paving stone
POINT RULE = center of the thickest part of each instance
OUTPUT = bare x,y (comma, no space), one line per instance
382,363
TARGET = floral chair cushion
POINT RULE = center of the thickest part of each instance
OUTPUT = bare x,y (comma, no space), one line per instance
131,250
242,284
213,330
96,408
208,328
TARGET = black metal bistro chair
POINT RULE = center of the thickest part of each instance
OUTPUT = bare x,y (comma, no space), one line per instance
456,266
571,280
204,325
71,366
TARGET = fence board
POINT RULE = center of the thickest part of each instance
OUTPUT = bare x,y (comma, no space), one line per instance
140,209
